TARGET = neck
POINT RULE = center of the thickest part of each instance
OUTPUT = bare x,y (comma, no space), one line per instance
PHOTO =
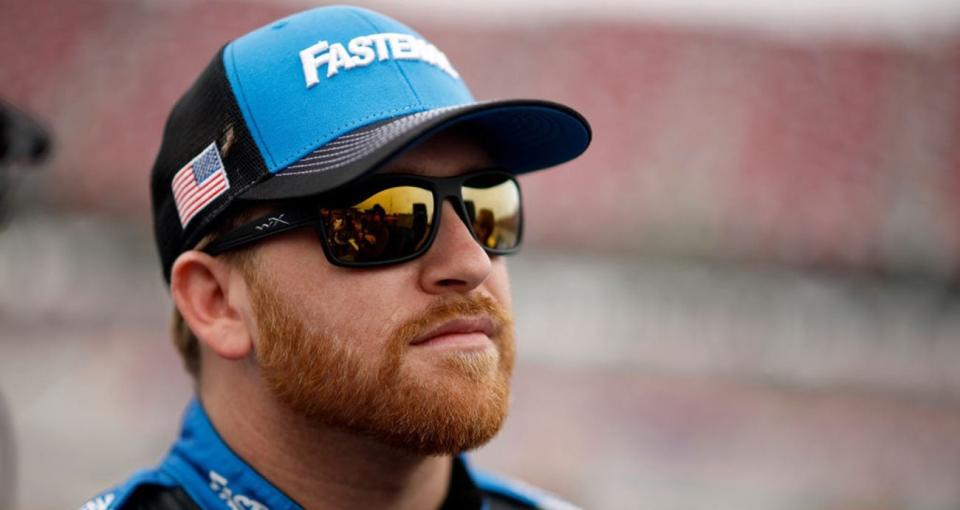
321,467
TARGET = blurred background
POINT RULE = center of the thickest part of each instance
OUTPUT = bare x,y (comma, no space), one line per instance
744,296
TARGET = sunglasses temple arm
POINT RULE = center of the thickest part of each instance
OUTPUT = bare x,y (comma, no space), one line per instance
258,229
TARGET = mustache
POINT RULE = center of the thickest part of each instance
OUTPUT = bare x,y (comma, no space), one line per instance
451,309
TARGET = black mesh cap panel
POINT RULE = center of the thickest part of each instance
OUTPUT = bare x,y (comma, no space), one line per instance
207,113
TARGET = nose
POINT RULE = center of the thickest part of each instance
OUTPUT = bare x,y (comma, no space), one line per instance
455,263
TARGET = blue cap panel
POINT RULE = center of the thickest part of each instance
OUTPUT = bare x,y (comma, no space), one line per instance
361,73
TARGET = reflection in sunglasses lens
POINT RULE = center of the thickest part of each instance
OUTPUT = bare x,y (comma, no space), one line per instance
493,205
391,224
395,223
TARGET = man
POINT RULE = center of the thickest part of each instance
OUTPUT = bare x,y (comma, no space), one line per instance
330,377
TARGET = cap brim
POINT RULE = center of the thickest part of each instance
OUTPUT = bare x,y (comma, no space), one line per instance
521,135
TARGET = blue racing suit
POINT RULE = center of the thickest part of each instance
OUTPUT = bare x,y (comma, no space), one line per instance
202,472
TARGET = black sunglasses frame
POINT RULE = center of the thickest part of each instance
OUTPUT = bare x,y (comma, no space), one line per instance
308,214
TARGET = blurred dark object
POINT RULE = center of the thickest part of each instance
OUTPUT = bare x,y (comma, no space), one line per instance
23,142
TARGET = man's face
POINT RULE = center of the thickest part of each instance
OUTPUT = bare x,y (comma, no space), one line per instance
340,345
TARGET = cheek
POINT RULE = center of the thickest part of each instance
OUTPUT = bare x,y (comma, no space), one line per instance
356,308
498,283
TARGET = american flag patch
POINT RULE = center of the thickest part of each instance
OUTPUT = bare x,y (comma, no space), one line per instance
199,183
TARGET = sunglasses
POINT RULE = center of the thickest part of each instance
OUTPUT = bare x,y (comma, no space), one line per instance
392,218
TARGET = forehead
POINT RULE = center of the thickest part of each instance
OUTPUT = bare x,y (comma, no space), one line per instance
452,152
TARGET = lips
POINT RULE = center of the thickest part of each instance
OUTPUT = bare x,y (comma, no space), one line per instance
462,326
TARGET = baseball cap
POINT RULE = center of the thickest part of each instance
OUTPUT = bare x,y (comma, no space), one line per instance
318,99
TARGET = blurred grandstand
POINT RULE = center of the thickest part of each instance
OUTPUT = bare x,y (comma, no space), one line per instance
744,296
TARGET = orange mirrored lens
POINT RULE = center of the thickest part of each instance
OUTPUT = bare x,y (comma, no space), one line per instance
493,206
391,224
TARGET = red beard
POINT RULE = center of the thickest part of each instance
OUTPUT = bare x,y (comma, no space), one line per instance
320,378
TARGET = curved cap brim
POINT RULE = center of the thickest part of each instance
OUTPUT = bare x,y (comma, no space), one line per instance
521,135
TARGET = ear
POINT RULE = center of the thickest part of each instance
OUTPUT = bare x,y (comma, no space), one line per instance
211,297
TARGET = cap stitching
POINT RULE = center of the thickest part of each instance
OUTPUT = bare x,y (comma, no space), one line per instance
356,122
336,162
327,150
340,157
349,158
384,131
340,143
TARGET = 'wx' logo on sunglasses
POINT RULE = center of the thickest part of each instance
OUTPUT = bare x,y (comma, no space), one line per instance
271,222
